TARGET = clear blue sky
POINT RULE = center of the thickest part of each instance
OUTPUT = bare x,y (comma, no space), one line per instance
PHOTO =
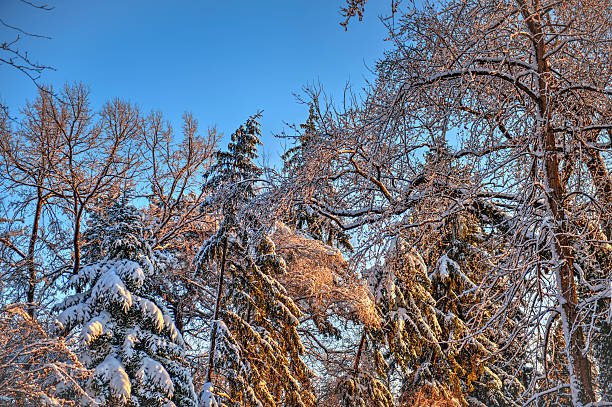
221,60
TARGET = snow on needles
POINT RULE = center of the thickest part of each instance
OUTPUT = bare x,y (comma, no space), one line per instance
113,372
152,371
207,396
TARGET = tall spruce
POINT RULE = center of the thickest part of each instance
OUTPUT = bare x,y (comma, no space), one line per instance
255,350
307,216
127,335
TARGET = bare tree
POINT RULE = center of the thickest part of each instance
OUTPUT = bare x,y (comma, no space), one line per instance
62,158
28,153
12,52
99,157
174,175
172,184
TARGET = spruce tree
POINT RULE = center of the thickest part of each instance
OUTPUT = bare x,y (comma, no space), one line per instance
426,302
304,216
127,335
255,349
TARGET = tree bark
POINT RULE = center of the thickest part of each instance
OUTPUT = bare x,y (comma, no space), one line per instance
76,241
213,332
31,293
579,366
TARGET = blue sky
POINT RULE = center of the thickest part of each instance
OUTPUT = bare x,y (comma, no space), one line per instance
221,60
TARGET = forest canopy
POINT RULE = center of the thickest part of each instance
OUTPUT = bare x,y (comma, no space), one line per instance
443,240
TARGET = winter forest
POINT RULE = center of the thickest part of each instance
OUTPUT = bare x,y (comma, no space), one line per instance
443,239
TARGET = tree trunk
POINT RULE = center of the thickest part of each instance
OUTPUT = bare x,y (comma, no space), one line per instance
358,357
579,365
76,241
30,296
213,331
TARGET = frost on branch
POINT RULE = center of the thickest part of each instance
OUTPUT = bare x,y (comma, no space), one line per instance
35,368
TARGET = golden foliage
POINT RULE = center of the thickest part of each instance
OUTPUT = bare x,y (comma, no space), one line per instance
319,274
429,396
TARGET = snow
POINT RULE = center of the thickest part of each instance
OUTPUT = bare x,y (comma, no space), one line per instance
174,333
110,286
446,267
157,344
87,273
69,301
207,396
131,338
152,371
112,371
152,312
73,315
95,328
442,270
131,271
147,261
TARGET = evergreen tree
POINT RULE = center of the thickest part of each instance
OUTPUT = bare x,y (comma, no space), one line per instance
426,303
305,216
126,332
255,349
